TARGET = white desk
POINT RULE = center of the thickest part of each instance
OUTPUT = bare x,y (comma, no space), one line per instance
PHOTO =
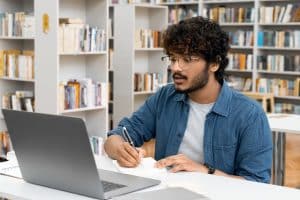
286,123
281,124
216,188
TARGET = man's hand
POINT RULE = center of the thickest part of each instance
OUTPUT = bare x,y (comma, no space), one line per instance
129,156
126,155
181,163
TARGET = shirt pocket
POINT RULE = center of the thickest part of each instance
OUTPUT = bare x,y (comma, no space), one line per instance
224,157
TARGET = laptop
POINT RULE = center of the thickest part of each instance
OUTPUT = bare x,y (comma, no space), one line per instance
54,151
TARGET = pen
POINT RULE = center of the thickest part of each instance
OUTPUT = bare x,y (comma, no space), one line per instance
127,137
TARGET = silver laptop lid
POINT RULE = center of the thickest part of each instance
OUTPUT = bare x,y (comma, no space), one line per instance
54,151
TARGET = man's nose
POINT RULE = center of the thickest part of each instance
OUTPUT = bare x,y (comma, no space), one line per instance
176,66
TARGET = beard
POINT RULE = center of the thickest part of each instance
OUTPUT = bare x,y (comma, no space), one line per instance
198,82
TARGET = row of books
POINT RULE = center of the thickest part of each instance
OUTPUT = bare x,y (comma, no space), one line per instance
75,36
287,108
279,87
19,24
279,14
146,38
278,62
279,39
245,84
148,81
240,83
17,64
5,144
85,93
20,100
177,14
241,38
230,15
240,61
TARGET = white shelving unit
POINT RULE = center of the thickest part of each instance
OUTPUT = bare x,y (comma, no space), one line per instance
129,60
10,85
57,67
286,51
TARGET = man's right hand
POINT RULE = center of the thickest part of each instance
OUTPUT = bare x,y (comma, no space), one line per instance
126,155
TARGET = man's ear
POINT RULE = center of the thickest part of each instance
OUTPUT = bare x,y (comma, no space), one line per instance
214,67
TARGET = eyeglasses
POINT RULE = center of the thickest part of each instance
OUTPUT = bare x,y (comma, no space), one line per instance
184,62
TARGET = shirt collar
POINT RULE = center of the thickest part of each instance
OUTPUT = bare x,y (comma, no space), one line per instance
222,105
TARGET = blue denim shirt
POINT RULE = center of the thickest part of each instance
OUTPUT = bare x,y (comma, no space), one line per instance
237,136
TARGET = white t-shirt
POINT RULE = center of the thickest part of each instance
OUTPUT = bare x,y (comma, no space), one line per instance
192,142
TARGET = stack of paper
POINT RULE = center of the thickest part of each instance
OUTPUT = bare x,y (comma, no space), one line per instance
11,168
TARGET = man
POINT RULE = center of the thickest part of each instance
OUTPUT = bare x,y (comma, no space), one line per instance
199,123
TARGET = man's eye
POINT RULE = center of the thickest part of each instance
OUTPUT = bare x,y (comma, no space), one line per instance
173,60
187,60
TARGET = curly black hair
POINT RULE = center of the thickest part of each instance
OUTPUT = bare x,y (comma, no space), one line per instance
199,36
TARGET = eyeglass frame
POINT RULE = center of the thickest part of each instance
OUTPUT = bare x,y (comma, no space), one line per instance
186,61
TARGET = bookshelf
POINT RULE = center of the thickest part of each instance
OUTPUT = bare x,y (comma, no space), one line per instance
87,64
131,57
241,30
15,38
112,5
278,52
256,21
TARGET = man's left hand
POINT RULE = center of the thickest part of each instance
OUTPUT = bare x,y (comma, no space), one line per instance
181,163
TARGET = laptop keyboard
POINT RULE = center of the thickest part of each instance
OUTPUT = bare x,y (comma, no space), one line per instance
109,186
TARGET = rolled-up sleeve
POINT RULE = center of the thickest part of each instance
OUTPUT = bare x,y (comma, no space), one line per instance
141,125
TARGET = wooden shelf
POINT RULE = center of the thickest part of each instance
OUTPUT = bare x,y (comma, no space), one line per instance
83,109
17,79
295,98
